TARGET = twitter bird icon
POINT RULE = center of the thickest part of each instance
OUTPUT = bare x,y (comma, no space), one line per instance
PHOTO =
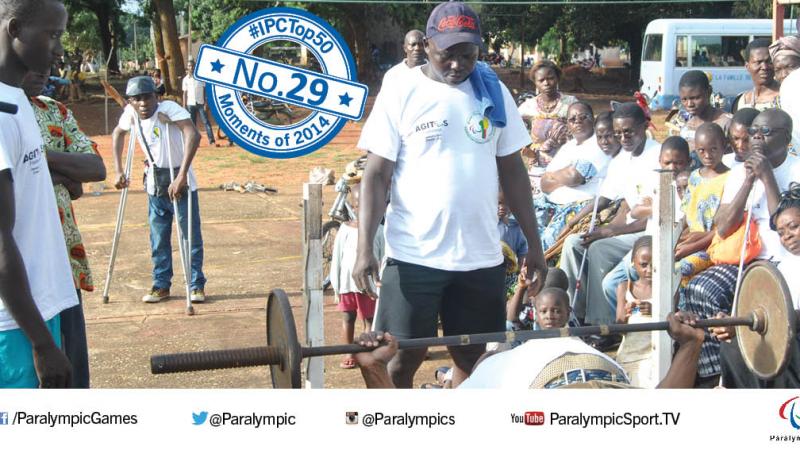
200,418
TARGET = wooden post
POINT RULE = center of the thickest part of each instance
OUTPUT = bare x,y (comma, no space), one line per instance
312,282
663,268
778,11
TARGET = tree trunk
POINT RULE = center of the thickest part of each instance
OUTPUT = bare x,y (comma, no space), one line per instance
158,45
355,16
172,48
108,38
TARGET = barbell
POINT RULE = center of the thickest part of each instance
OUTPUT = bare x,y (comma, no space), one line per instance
764,311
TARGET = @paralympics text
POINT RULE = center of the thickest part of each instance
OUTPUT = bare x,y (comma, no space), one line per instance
407,420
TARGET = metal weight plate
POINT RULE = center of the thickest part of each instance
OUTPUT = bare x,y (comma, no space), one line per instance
282,333
764,291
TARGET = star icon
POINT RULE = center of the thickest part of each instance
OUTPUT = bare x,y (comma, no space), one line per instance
345,99
217,66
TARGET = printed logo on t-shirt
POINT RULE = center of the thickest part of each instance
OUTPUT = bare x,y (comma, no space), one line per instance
33,160
479,128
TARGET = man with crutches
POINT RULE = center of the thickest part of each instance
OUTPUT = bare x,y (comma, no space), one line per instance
169,139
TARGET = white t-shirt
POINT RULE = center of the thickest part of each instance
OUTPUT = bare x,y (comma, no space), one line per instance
729,159
787,172
518,368
344,257
790,102
398,70
194,89
37,227
154,129
568,155
790,268
443,212
631,177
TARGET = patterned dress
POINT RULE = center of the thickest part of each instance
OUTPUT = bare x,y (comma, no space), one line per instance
61,133
700,204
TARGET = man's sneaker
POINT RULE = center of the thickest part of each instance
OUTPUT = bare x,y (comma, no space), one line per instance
198,296
156,295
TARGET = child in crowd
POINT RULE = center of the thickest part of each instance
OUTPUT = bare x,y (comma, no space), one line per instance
510,232
351,301
701,201
521,311
738,138
634,306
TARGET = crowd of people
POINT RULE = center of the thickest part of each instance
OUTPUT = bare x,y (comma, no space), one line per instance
576,187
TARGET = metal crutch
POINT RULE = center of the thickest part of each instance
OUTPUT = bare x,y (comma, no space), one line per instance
181,244
120,216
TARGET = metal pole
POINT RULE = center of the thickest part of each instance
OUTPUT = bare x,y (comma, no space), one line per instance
663,268
123,199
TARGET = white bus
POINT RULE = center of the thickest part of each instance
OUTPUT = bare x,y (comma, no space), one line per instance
716,46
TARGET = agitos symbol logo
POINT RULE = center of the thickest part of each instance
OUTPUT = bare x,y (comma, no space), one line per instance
791,416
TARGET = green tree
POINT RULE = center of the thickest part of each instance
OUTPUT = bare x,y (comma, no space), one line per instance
108,25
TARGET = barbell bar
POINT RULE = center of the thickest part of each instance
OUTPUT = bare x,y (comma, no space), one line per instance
767,314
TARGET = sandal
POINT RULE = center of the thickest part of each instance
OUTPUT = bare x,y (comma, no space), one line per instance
348,363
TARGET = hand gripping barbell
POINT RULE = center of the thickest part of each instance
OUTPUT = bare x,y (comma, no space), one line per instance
765,309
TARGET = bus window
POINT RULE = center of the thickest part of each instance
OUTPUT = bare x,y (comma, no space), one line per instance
652,47
718,51
682,51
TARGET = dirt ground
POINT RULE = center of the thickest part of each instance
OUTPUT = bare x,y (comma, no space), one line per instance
252,245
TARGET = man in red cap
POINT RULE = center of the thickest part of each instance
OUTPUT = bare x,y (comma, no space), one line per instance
444,149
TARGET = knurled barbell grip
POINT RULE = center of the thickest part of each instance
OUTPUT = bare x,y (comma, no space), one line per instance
215,359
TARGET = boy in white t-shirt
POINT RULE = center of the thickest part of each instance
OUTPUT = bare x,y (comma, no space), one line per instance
144,116
35,275
194,100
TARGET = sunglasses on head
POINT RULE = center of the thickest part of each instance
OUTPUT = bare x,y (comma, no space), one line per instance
763,130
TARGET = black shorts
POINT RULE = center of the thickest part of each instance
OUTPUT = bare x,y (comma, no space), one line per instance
412,297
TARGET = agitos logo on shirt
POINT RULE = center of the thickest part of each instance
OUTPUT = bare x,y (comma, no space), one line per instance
450,22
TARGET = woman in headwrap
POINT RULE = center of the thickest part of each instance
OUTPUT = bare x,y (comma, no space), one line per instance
547,113
785,53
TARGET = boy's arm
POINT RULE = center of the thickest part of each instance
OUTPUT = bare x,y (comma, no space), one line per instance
51,364
514,305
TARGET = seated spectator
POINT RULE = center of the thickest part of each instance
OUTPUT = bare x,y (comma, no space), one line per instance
700,203
786,221
766,172
738,138
573,176
674,156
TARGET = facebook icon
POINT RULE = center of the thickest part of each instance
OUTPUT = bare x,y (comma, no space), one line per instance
3,418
